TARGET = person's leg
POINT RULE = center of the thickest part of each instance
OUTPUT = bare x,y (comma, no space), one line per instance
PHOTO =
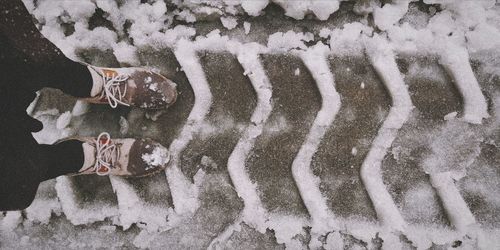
44,65
103,156
20,161
63,158
39,63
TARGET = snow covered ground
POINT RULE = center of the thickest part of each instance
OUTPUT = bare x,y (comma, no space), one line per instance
299,124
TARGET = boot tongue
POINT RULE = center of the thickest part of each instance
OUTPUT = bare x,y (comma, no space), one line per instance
97,82
89,156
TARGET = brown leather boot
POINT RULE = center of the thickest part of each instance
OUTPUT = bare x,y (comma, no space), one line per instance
123,157
135,87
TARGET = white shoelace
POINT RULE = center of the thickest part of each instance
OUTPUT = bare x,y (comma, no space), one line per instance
107,154
112,90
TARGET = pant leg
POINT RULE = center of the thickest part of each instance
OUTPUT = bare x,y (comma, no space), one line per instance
63,158
20,168
24,164
29,62
20,164
38,63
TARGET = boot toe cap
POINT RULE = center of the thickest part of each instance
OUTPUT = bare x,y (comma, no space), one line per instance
157,92
148,157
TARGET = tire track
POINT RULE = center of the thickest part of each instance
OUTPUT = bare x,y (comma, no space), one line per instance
233,102
365,104
481,179
434,96
308,183
283,134
456,61
253,212
384,63
184,192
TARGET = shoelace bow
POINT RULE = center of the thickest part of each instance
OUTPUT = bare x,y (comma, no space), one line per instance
112,90
107,153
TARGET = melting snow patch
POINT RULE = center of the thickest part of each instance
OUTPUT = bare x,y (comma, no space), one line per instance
246,26
158,157
208,162
450,116
419,203
126,53
289,40
453,148
124,126
298,9
63,120
390,14
354,151
229,22
154,86
10,221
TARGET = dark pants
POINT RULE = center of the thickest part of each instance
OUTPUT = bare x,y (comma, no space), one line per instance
29,62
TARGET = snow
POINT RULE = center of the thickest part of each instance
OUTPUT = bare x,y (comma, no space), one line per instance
134,210
390,14
80,108
383,60
126,53
246,26
453,147
31,108
289,40
50,133
456,62
419,202
153,86
146,19
286,227
41,210
159,157
347,41
209,129
354,151
229,22
450,116
185,193
457,210
187,16
334,241
253,212
208,163
308,184
124,125
63,120
10,221
75,213
298,9
254,7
